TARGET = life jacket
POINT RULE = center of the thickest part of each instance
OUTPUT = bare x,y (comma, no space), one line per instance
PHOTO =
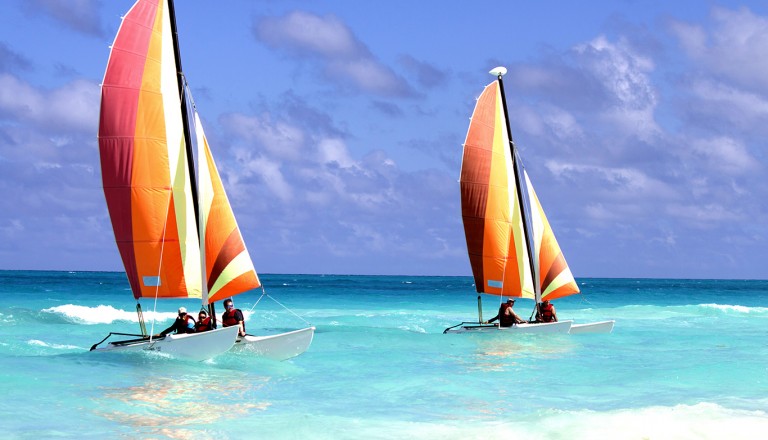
228,318
545,311
504,319
189,326
204,325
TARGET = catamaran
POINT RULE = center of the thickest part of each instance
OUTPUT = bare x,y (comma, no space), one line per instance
512,248
173,223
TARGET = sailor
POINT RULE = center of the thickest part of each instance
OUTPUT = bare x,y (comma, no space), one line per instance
203,322
233,316
506,315
184,323
546,312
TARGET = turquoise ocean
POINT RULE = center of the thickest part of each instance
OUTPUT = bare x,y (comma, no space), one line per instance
688,359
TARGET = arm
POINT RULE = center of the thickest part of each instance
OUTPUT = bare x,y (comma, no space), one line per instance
240,322
169,329
554,314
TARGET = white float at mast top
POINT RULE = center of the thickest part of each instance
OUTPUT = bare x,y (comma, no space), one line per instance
498,71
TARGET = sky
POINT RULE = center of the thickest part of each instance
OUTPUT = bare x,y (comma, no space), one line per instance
338,129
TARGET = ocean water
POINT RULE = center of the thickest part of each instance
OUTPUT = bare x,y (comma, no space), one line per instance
688,359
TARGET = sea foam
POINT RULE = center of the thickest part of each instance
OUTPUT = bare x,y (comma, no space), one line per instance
103,314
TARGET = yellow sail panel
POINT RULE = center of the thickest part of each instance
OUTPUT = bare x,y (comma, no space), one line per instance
492,221
144,169
556,279
228,266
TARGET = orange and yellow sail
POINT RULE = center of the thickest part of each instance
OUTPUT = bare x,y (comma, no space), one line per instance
147,171
501,240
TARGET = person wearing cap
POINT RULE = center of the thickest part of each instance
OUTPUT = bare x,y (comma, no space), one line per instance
184,323
203,322
506,315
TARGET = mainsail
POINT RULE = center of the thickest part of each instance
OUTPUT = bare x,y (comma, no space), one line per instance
158,211
511,246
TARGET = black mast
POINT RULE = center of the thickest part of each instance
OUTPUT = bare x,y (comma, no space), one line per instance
518,183
184,115
187,134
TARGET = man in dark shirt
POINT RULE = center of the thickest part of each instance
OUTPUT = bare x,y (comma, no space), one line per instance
184,323
233,316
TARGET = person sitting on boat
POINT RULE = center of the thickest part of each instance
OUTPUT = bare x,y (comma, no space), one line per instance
184,323
233,316
506,315
204,322
546,312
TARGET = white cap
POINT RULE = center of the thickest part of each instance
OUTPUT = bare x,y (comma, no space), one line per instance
182,310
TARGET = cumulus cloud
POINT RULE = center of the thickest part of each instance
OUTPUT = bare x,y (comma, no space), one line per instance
327,40
72,107
79,15
728,44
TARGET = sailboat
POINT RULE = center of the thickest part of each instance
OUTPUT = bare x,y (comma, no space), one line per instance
173,223
512,248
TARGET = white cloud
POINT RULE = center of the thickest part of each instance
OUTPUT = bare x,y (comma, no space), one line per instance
334,151
330,42
624,182
74,106
624,74
709,214
279,138
730,45
327,36
724,154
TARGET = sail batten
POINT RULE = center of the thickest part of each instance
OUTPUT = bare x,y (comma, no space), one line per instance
510,244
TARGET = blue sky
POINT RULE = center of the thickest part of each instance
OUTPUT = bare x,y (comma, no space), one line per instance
338,126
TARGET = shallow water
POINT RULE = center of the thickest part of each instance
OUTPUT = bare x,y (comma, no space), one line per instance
687,359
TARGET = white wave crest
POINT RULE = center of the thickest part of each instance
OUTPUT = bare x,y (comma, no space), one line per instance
104,314
40,343
702,421
107,314
734,308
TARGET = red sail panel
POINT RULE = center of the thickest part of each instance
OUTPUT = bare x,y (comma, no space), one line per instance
140,144
229,269
491,215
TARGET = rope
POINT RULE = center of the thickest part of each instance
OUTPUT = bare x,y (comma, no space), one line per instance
160,265
264,293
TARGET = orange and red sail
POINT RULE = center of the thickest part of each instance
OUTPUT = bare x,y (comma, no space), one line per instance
500,237
146,165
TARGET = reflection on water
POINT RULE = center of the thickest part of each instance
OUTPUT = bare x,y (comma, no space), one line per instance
184,406
505,352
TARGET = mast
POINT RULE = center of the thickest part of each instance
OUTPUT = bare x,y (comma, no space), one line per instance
190,156
185,115
499,72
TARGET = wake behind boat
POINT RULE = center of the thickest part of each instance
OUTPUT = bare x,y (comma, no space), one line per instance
512,248
173,222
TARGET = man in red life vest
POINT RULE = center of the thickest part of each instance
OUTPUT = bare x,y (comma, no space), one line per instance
233,316
506,315
203,322
183,323
546,312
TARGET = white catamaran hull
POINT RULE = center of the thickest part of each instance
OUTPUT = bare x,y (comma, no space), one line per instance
277,347
526,328
190,346
592,327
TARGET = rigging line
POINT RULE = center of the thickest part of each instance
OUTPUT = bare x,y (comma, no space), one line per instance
264,293
160,264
